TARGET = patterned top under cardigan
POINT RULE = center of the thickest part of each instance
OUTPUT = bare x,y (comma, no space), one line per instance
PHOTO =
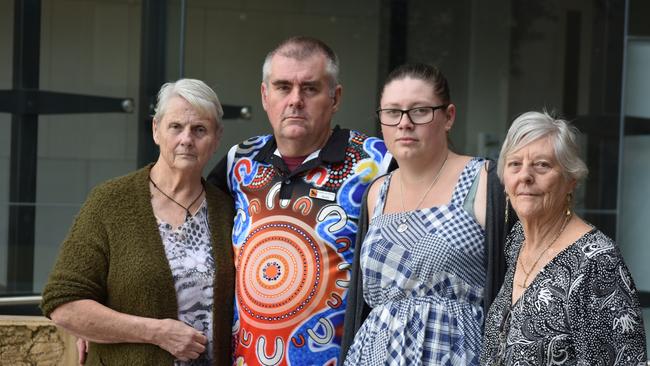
113,254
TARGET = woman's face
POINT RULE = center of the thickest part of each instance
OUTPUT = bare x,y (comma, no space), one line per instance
534,181
186,139
407,140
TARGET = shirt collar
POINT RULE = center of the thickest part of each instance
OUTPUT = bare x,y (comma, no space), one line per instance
332,152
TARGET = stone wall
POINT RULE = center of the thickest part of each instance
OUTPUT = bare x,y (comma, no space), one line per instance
34,341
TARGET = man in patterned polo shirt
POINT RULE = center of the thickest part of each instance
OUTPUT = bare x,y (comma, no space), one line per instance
297,198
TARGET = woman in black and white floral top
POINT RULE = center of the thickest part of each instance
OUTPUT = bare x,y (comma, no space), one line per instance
567,298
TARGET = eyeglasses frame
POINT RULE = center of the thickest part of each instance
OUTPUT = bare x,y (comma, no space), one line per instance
407,112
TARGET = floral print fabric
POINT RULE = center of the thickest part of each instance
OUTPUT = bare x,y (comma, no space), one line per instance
581,309
189,251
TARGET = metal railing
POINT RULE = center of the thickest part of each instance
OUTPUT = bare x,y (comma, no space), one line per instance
20,300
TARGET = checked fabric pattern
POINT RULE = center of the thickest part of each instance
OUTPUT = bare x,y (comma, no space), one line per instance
425,286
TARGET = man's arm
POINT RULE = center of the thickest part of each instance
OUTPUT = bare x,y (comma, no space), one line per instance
603,311
97,323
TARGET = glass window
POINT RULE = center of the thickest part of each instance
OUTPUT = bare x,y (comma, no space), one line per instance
633,197
6,42
74,151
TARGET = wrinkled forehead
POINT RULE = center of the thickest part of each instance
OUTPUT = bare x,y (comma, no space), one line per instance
533,146
309,69
178,109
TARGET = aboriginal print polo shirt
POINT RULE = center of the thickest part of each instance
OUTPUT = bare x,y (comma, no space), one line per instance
293,241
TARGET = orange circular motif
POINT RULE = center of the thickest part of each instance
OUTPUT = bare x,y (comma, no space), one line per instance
280,273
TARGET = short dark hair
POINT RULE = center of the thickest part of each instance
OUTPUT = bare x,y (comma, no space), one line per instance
300,48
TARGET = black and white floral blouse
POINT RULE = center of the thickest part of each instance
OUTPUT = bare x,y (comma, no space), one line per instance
581,309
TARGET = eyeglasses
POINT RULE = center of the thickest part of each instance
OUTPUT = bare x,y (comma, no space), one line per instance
417,115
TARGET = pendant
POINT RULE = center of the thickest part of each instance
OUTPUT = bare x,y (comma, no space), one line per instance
402,227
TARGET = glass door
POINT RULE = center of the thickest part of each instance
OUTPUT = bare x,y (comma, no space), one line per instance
635,176
634,180
67,107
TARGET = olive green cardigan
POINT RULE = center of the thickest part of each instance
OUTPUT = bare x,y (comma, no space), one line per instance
114,255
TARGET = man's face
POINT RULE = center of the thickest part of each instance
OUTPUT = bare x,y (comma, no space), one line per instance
298,100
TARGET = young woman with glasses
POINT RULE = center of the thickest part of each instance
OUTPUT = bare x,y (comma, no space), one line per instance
429,261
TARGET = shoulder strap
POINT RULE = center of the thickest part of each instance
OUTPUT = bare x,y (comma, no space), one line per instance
381,199
467,176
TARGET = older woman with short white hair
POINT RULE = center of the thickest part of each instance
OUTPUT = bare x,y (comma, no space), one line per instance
567,297
146,272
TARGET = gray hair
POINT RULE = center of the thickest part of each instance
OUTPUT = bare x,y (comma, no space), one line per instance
301,48
531,126
200,96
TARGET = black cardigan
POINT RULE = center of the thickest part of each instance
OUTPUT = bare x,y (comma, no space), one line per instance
496,230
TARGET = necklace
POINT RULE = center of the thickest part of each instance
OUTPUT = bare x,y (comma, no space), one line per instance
529,271
403,226
187,209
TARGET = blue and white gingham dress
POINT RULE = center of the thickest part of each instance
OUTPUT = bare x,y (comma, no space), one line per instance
425,285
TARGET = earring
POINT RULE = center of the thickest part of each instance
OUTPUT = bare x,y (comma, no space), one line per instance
507,204
569,198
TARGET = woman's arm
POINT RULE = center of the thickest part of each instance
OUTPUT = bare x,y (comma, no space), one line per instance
77,289
604,313
95,322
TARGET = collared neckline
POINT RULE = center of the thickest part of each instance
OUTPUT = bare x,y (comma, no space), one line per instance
332,152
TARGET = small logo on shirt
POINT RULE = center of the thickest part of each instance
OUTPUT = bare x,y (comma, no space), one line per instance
323,195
